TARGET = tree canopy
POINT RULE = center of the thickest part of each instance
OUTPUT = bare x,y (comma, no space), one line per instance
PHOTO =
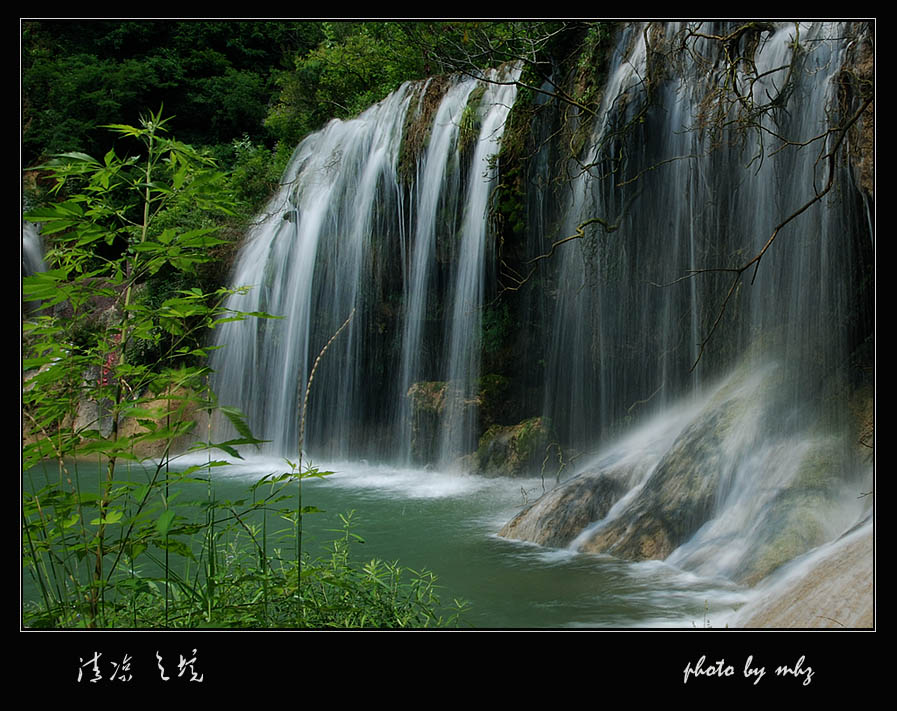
215,77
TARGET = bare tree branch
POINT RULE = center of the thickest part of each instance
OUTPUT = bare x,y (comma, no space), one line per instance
841,133
579,233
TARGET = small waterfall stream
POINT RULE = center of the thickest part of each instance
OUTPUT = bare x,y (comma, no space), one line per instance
728,468
312,259
32,249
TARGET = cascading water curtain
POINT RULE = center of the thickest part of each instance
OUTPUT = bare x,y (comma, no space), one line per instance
346,232
689,184
312,260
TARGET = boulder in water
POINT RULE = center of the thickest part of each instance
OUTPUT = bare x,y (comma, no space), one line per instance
427,405
557,517
678,497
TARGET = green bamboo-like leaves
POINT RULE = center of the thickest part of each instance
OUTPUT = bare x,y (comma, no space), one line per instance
118,534
75,354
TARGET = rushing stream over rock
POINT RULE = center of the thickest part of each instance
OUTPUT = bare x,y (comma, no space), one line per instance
727,456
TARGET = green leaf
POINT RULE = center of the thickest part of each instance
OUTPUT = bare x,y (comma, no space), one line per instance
224,447
77,156
135,550
112,516
177,547
124,129
163,523
238,420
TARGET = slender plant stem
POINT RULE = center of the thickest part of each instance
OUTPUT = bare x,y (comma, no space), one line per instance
311,378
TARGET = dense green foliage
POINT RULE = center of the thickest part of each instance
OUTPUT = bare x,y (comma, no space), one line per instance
233,84
354,65
215,77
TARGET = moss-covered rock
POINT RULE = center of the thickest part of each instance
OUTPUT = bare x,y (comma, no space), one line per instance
431,403
683,490
677,499
418,123
469,124
513,450
801,516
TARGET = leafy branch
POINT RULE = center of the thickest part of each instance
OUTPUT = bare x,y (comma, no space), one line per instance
116,202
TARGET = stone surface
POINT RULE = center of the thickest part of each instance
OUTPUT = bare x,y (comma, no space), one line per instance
428,402
677,498
176,411
831,589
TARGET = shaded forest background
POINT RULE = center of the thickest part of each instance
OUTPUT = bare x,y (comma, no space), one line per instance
246,92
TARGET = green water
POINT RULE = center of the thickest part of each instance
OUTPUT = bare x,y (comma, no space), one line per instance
447,523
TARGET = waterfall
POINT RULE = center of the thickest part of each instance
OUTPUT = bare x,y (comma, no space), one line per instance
462,353
709,412
745,455
437,186
310,261
628,320
32,257
343,231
